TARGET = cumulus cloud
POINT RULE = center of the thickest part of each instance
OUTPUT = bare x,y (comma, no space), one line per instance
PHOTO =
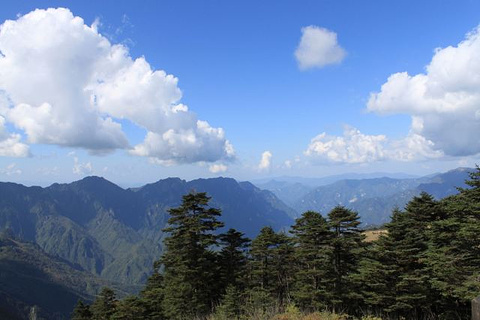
82,169
413,147
67,85
352,147
444,102
265,161
10,145
318,47
217,168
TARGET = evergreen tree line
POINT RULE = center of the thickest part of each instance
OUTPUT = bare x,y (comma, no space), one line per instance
425,266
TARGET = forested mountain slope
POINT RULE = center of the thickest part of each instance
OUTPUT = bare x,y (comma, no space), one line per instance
33,282
116,233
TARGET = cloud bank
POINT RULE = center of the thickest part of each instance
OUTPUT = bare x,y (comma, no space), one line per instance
354,147
65,84
444,102
318,47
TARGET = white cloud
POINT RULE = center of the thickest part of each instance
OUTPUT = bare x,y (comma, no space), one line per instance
265,161
352,147
10,145
413,147
69,86
217,168
355,147
318,47
444,102
11,170
82,169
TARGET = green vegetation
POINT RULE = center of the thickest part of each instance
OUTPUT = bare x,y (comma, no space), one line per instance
425,266
32,281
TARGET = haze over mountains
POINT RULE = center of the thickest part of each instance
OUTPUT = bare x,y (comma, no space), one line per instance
374,197
99,234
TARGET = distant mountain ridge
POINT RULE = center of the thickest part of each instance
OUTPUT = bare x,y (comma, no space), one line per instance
373,198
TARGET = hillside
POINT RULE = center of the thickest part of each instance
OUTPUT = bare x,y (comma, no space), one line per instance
33,281
117,233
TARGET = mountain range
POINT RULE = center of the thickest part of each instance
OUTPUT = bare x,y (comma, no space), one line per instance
72,239
112,233
373,198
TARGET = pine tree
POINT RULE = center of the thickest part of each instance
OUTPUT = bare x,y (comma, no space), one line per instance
189,261
396,264
153,293
232,259
454,255
105,305
130,308
312,258
81,311
347,247
415,295
271,266
378,270
232,304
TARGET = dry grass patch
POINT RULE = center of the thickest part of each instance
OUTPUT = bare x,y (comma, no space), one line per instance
373,235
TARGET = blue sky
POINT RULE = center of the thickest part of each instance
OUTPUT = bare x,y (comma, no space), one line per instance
236,68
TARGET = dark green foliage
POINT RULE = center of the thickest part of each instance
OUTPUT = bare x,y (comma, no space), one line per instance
232,304
313,255
81,311
130,308
378,273
153,293
347,248
454,255
426,266
232,259
30,277
415,296
189,261
104,307
396,265
271,265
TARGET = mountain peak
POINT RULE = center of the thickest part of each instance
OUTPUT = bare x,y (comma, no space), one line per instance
94,183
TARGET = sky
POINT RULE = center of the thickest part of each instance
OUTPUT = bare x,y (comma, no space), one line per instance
140,91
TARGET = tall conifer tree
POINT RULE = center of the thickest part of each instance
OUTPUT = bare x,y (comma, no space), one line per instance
189,261
347,247
454,255
313,254
232,259
271,266
105,305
